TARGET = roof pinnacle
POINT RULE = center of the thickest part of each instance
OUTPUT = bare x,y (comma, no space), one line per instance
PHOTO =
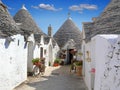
23,7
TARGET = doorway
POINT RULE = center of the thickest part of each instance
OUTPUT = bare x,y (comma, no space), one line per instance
41,52
70,53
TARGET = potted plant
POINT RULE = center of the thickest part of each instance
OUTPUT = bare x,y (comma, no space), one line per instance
78,65
80,53
56,62
49,63
36,61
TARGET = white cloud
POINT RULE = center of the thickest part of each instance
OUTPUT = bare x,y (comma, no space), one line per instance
75,8
46,7
88,6
82,7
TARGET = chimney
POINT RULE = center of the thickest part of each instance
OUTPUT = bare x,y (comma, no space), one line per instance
50,31
94,19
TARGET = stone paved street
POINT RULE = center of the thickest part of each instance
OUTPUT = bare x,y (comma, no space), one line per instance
55,78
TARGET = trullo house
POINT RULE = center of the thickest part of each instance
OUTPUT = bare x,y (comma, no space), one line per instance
100,48
13,55
68,38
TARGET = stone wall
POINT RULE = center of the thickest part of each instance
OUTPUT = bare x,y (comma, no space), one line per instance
108,65
88,64
13,62
102,64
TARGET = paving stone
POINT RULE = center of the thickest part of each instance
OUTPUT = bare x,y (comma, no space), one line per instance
55,78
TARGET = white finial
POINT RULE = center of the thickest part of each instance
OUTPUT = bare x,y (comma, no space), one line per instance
23,7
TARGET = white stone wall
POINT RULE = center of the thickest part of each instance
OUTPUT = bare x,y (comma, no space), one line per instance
36,51
51,52
55,52
87,66
107,75
30,52
104,52
44,46
100,47
13,62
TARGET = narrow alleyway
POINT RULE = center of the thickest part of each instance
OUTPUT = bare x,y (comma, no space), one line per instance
55,78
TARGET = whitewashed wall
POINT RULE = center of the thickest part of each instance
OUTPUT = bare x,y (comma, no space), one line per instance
30,52
55,51
105,58
107,75
87,66
13,62
44,46
83,57
36,51
88,62
51,52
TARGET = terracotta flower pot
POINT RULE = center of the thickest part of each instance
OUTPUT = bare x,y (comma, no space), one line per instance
37,63
55,64
79,70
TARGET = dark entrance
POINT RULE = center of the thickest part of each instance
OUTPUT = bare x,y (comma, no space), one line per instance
70,56
41,52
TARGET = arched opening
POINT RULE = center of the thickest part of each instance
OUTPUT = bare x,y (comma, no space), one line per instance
69,55
41,52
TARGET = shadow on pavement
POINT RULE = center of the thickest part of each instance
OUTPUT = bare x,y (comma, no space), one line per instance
60,79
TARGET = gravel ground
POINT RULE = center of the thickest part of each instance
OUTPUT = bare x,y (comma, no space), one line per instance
55,78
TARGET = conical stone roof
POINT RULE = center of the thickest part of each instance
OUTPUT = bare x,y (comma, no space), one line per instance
88,31
8,26
109,20
107,23
66,32
26,22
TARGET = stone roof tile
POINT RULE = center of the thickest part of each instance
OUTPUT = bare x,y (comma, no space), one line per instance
107,23
68,31
8,26
26,21
109,20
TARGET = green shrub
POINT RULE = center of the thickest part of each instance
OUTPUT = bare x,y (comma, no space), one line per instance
49,63
79,63
35,60
57,60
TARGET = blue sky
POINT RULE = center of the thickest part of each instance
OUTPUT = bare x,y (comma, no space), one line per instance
55,12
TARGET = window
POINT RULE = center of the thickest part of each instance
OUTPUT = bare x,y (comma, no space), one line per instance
18,42
41,52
